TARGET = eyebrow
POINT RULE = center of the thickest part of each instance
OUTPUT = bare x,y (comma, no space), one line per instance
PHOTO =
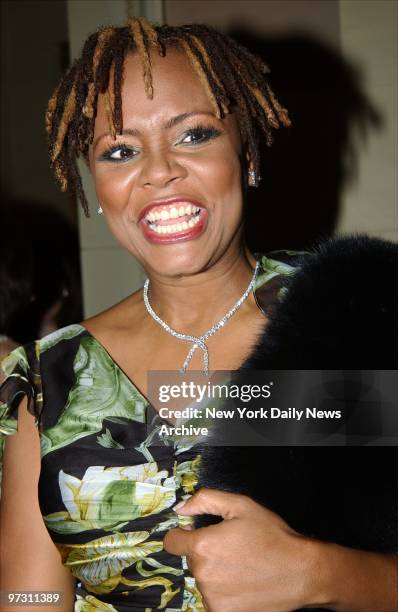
170,123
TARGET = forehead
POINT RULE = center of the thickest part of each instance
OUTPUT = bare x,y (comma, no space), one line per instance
177,89
176,86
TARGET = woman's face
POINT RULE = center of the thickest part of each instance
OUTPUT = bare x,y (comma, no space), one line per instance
170,186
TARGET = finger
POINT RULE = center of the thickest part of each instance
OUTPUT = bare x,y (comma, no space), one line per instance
211,501
178,541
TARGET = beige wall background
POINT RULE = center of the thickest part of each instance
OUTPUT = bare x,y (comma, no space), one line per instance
369,37
317,17
365,30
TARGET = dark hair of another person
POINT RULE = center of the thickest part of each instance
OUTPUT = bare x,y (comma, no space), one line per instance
39,267
230,74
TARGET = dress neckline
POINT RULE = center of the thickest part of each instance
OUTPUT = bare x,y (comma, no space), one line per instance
147,404
116,364
260,283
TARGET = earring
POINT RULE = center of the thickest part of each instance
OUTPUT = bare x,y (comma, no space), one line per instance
253,178
99,210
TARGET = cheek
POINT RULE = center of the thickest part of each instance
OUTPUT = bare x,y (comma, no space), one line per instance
221,172
113,189
223,183
113,186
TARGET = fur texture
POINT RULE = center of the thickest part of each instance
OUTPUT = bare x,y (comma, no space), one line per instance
339,312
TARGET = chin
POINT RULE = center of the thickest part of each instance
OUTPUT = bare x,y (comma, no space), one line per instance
177,267
175,262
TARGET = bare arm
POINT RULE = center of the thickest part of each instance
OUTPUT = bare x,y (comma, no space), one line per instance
29,560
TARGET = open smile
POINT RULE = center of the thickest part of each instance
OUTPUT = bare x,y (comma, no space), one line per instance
173,221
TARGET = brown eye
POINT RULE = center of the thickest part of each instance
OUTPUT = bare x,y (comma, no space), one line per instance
118,153
199,135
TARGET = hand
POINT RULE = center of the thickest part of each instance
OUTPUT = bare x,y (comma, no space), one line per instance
251,561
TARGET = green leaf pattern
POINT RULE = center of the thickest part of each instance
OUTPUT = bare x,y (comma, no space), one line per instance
66,333
110,498
271,268
101,390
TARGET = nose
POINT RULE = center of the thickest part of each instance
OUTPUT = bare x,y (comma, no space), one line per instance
160,168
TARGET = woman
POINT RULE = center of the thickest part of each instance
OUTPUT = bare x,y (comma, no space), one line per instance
171,162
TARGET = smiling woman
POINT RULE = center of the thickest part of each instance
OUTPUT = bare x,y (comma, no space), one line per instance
175,165
228,74
169,120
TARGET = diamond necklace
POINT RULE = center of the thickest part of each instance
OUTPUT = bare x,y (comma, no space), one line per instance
199,341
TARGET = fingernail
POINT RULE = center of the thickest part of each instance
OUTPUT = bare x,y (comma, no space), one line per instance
178,506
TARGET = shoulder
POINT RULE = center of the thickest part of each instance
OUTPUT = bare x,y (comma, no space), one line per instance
338,266
22,374
337,309
63,337
6,346
274,270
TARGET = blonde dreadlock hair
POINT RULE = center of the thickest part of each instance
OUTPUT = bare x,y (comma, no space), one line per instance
230,74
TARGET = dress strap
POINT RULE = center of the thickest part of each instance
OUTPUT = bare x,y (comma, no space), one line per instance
276,268
22,370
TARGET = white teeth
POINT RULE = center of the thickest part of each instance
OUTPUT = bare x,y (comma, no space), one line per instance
188,210
172,213
172,228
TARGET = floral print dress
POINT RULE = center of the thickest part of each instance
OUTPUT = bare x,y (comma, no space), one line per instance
106,492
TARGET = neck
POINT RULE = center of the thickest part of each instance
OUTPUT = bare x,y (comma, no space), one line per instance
192,304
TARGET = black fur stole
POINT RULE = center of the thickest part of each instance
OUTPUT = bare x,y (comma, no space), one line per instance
339,312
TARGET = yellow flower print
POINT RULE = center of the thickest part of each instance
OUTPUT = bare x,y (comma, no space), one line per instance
108,498
91,604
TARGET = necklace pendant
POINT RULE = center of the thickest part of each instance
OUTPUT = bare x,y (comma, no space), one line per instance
199,342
